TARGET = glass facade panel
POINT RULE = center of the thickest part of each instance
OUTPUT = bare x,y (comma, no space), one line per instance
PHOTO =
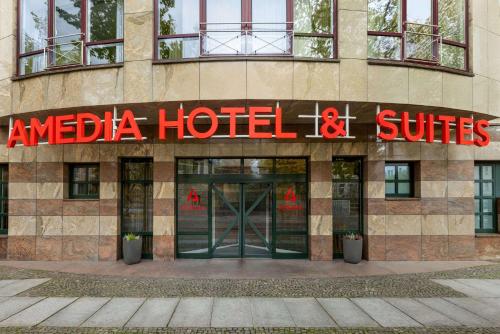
398,179
84,181
179,17
258,166
105,20
452,20
269,35
226,166
384,47
291,166
179,48
313,47
291,244
384,15
192,166
105,54
224,31
485,197
192,245
291,205
453,56
34,25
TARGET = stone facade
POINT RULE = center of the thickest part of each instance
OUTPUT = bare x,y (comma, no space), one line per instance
438,224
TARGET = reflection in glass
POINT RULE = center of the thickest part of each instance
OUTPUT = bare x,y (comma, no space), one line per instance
384,15
313,47
67,33
384,47
291,244
226,166
223,28
313,16
487,172
258,166
291,166
390,173
269,35
452,20
179,48
178,17
105,54
192,208
192,166
453,56
34,24
346,196
291,207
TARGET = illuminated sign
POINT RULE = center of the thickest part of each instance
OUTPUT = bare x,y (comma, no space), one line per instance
329,124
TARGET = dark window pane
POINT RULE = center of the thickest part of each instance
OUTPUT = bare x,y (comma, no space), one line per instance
384,15
105,20
258,166
192,166
291,244
390,188
226,166
404,188
346,170
138,171
79,174
291,166
291,205
192,208
192,244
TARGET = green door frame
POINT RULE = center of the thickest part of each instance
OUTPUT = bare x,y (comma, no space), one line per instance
495,180
271,179
338,234
147,236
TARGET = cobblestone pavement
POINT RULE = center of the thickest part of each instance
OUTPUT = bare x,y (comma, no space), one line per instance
408,285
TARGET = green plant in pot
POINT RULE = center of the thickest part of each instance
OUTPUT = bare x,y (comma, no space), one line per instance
132,249
353,248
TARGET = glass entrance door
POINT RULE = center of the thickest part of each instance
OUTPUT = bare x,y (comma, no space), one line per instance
241,220
242,207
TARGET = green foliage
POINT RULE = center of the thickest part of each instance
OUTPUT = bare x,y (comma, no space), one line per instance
352,236
131,237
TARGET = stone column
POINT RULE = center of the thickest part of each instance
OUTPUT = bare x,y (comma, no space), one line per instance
138,51
163,206
22,204
320,223
109,229
374,203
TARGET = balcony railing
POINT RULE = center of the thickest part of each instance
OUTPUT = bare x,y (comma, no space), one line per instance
63,51
221,39
422,43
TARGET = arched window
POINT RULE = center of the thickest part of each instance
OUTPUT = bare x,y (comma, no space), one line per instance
207,28
62,33
426,31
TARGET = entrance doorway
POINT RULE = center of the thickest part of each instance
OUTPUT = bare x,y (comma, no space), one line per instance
137,201
347,200
234,208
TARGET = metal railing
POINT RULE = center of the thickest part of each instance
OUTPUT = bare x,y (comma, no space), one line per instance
62,51
421,43
256,39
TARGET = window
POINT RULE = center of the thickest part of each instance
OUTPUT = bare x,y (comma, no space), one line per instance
61,33
84,181
194,28
4,199
427,31
485,197
399,179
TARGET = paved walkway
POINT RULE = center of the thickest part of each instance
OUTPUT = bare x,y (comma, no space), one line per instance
480,309
244,269
248,312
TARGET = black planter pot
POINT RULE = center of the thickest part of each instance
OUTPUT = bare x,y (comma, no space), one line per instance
132,251
353,251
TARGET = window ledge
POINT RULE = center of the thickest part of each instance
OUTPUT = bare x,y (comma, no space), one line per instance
81,200
384,62
487,235
67,70
406,199
243,58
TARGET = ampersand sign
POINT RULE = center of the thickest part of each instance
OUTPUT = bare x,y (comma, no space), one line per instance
330,128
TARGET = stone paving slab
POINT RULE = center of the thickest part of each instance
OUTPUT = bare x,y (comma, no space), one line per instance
15,305
479,308
116,313
155,312
384,313
307,312
346,313
18,286
2,299
37,313
455,312
271,312
6,282
231,312
75,314
488,286
192,312
422,313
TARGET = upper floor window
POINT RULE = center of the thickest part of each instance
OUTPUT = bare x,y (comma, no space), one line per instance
428,31
194,28
59,33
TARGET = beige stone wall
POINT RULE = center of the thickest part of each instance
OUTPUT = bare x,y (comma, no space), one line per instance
139,81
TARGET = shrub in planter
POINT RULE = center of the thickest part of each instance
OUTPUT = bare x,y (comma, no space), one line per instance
132,249
353,248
